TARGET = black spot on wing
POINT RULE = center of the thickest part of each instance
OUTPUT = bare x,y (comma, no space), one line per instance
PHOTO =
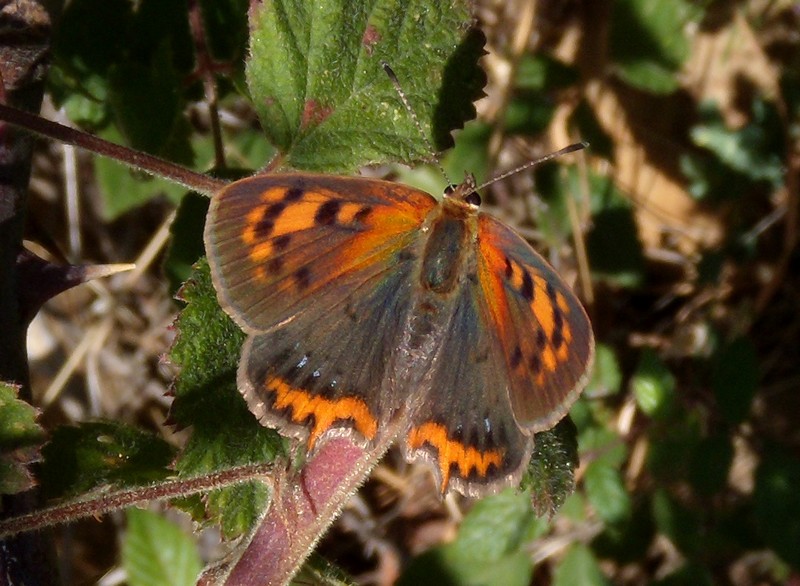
302,277
326,213
275,265
274,210
281,242
264,227
362,214
558,328
516,358
541,339
527,286
293,194
535,364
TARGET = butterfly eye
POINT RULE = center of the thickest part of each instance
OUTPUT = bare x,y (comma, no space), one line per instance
473,198
450,189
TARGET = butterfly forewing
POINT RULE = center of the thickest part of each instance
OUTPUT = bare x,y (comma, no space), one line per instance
539,323
278,244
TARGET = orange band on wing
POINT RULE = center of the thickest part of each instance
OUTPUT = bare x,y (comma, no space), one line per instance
326,412
452,452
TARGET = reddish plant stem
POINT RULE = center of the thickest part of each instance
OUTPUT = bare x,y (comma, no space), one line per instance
113,501
138,160
302,508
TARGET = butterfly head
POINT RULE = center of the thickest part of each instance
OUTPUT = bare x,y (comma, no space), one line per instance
465,193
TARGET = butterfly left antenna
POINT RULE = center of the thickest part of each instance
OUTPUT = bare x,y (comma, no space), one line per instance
399,89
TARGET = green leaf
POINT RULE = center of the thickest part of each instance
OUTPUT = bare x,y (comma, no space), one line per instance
320,572
590,130
606,492
734,379
156,552
615,252
80,458
550,476
735,161
689,574
579,566
649,42
628,540
489,548
225,25
653,386
224,432
20,439
186,242
606,376
710,464
148,107
680,524
123,189
777,503
317,84
542,72
678,434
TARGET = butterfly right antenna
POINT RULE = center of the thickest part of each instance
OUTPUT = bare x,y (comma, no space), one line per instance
398,88
566,150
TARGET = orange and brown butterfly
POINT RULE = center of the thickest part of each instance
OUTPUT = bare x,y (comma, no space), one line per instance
372,308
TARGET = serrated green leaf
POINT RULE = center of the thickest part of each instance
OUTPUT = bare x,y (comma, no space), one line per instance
734,379
579,566
224,432
80,458
155,552
20,440
653,386
550,475
315,76
606,492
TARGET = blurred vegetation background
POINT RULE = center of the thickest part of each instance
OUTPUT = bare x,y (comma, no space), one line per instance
679,228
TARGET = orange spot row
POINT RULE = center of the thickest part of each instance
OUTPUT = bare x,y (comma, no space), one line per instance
452,452
325,411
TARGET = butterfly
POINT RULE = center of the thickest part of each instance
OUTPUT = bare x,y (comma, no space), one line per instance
373,308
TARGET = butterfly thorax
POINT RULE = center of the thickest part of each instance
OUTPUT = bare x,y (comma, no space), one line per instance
446,263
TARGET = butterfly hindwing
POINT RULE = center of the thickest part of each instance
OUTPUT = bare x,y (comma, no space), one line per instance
324,372
464,427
